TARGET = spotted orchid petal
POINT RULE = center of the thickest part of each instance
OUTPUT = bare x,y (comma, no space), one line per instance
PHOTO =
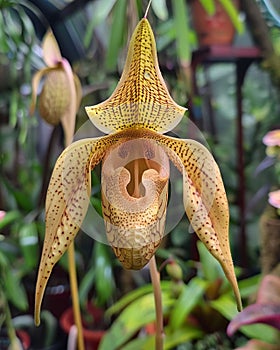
205,200
141,97
51,52
66,204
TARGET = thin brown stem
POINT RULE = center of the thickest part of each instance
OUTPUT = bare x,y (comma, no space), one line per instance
75,296
155,277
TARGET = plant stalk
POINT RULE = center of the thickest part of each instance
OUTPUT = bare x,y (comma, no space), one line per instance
155,277
10,328
75,295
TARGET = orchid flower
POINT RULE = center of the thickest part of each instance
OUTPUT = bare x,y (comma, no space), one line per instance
61,93
274,199
272,141
135,159
2,214
272,138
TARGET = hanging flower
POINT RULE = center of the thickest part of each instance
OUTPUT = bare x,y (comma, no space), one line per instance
274,199
272,141
272,138
61,93
2,214
135,159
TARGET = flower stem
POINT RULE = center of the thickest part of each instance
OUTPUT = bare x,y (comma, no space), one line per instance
9,324
75,295
155,277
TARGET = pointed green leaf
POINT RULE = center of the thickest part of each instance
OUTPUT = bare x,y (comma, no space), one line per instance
160,9
188,299
181,23
116,35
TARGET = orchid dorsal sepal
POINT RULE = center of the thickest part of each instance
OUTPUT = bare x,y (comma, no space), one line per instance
51,51
141,96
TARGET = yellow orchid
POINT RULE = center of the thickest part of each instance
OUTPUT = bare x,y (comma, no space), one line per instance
135,171
61,93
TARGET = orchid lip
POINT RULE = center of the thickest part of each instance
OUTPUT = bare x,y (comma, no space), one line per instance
135,178
134,169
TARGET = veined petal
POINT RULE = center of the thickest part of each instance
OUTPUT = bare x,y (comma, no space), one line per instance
68,118
79,91
204,196
66,204
141,97
134,200
51,51
35,86
55,97
205,200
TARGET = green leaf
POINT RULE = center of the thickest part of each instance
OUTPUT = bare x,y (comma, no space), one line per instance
9,249
210,267
23,126
9,218
4,47
249,286
181,23
166,34
23,201
136,315
15,292
85,286
97,205
188,299
135,294
116,35
100,11
160,9
225,305
181,335
4,262
209,6
171,340
104,278
233,15
14,101
28,240
141,343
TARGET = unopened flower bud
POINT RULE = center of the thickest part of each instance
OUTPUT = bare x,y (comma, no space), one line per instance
174,271
272,151
55,97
